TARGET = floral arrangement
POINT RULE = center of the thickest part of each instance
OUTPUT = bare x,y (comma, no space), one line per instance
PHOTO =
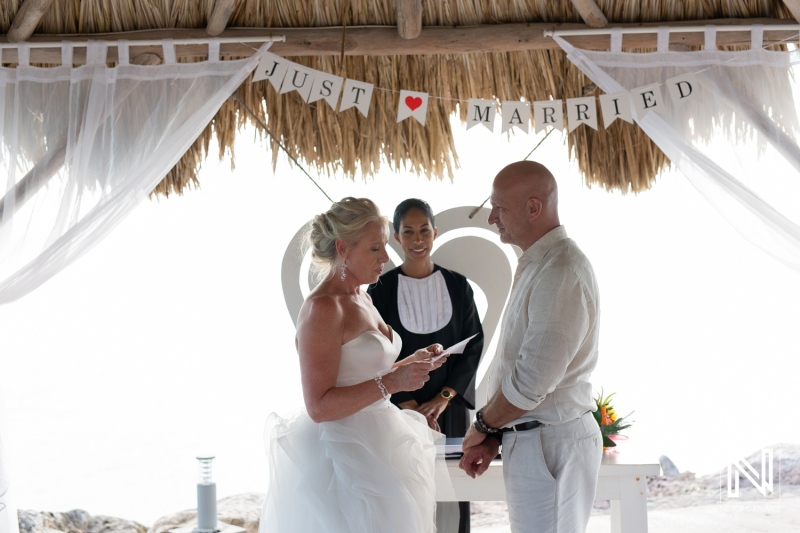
610,424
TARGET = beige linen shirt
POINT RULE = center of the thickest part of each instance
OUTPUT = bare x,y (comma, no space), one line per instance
548,338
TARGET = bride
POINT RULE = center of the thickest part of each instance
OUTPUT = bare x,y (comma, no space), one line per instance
353,462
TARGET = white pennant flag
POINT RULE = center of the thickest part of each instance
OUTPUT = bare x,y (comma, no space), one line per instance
516,115
682,88
647,98
299,78
356,94
326,87
272,68
412,104
548,113
481,112
581,111
614,106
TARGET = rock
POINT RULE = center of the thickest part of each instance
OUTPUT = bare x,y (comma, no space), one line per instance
243,510
77,521
668,468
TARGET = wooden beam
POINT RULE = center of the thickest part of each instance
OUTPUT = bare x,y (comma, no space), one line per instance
409,18
219,17
27,19
379,41
590,13
794,8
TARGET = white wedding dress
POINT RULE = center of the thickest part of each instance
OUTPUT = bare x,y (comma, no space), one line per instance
371,472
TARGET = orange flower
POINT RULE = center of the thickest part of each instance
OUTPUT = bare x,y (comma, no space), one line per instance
605,420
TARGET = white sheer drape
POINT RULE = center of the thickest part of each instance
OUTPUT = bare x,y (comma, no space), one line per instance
735,140
81,147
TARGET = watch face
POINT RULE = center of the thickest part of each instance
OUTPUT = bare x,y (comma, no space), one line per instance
446,394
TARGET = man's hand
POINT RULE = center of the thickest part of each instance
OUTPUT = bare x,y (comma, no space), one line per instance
476,459
472,438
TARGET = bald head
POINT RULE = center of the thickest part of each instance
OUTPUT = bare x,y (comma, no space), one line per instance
525,203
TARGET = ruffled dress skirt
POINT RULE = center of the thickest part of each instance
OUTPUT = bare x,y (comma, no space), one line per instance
371,472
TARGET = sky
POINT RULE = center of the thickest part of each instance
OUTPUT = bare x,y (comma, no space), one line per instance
171,337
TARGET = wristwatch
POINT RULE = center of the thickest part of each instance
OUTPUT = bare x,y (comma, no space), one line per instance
447,395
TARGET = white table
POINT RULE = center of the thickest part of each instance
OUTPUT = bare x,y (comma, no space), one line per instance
622,480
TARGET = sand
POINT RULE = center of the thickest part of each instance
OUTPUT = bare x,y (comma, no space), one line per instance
781,515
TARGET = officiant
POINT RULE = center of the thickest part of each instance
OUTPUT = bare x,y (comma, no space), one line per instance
427,304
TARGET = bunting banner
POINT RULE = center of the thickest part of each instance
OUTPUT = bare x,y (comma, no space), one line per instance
516,115
412,104
356,94
326,87
548,113
312,85
581,111
681,88
298,78
647,99
614,106
481,112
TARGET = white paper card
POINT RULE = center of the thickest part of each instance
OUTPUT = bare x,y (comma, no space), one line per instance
646,99
682,88
356,94
454,349
272,68
299,78
326,87
516,115
614,106
581,111
548,113
412,104
481,112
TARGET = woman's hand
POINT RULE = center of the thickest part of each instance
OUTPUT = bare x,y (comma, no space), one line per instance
433,424
407,377
433,408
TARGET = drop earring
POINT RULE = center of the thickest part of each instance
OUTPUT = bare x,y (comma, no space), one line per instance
342,273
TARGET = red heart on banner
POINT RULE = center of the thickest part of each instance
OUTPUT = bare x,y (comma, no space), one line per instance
413,102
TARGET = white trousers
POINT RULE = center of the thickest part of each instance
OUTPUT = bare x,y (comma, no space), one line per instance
550,476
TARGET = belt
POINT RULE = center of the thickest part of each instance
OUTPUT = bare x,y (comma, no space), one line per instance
525,426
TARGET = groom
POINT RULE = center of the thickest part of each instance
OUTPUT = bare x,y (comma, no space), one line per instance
540,398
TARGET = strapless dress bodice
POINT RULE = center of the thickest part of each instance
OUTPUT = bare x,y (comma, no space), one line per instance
366,355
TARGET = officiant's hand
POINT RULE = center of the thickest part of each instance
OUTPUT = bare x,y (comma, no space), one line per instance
434,407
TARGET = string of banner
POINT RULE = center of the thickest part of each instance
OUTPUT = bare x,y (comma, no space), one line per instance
313,85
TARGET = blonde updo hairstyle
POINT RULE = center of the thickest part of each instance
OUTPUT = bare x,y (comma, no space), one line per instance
346,220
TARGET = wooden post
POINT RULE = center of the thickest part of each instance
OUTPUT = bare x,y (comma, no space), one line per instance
409,18
27,19
794,8
590,13
219,17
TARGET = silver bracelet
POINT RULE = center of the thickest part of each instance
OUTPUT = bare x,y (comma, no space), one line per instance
382,387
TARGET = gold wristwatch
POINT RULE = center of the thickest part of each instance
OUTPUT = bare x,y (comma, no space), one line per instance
447,395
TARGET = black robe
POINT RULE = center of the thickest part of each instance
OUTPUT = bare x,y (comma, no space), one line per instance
459,371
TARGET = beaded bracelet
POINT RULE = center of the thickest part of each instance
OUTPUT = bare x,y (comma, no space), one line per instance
481,426
382,387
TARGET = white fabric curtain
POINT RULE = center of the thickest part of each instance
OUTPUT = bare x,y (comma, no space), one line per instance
735,140
80,148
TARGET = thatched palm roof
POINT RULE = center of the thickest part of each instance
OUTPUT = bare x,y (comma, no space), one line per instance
467,49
